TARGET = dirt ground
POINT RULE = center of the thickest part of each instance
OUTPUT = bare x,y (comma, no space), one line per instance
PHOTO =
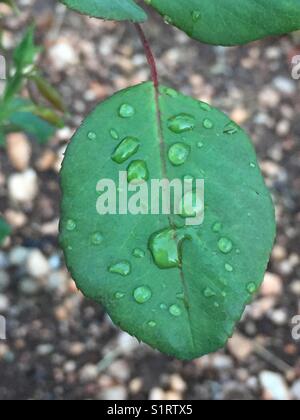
62,346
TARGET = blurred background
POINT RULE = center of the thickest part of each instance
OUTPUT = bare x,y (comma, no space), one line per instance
62,346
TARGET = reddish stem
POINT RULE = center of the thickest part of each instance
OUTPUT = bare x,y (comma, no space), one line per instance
149,55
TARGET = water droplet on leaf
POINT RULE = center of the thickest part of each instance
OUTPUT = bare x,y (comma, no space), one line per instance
127,148
207,123
142,294
225,245
71,225
181,123
137,172
138,253
126,111
123,268
175,310
92,135
97,238
178,154
165,248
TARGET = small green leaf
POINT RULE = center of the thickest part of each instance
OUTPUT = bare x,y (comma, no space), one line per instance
179,288
230,22
49,92
33,125
26,52
5,230
112,9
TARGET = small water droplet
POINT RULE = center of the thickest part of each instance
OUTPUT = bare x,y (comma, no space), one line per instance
175,310
127,148
180,295
231,128
208,293
92,136
119,295
97,238
181,123
142,294
252,165
251,288
163,306
171,92
126,111
207,123
138,253
178,153
204,106
216,305
217,227
200,144
165,247
137,172
224,294
168,20
196,15
114,134
191,205
229,268
71,225
225,245
123,268
152,324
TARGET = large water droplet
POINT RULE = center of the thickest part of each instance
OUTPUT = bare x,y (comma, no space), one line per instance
138,253
225,245
92,135
123,268
175,310
71,225
142,294
165,248
126,111
137,172
178,154
181,123
97,238
127,148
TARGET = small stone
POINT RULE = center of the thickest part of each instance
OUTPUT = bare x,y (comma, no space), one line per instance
222,362
18,256
295,287
117,393
296,390
76,349
240,347
135,385
274,386
239,115
279,317
88,373
18,150
4,280
272,285
63,55
119,370
37,264
44,349
46,161
4,304
156,394
23,187
177,383
285,85
29,287
269,98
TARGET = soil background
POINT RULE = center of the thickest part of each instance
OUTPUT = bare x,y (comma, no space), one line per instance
62,346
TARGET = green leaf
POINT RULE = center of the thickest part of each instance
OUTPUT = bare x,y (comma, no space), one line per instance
5,230
230,22
26,51
179,288
49,92
112,9
41,130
